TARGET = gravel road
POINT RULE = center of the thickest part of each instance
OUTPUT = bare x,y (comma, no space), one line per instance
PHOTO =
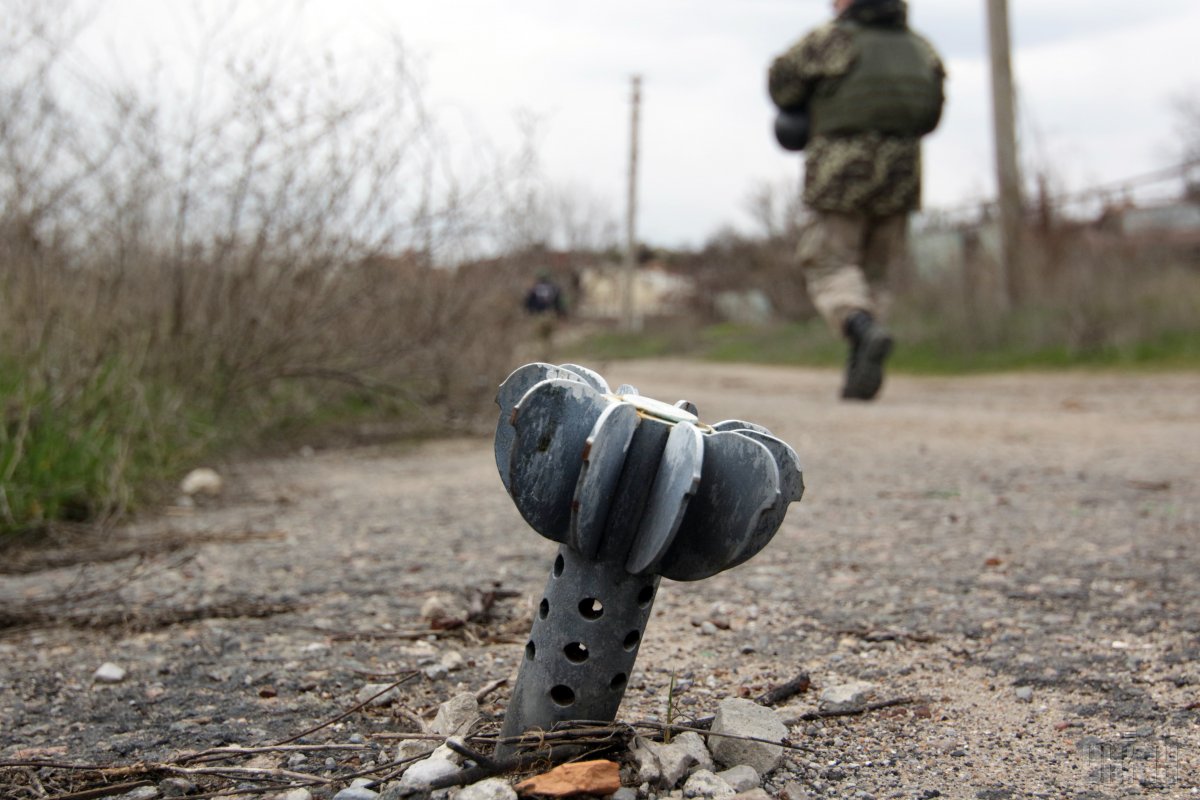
1015,556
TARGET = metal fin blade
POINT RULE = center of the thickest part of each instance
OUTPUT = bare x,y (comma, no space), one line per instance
791,489
509,394
678,476
551,425
603,461
739,484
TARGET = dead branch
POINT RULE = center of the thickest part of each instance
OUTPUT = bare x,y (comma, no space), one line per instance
851,712
351,710
219,753
797,685
374,636
404,737
102,791
489,688
658,726
251,773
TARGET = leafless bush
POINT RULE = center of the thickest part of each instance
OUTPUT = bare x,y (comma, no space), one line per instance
1089,292
227,236
235,250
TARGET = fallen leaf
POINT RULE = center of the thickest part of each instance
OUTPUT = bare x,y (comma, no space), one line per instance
583,777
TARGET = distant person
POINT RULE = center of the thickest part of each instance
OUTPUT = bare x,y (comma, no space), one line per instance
545,303
545,297
857,94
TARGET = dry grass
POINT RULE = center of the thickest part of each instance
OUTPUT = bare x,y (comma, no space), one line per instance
1087,298
178,274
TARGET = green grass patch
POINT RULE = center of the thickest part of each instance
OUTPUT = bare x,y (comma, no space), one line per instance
919,350
83,448
109,439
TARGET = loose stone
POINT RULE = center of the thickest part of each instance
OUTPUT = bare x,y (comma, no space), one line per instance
745,718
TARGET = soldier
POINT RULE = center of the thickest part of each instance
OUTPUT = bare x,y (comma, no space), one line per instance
545,303
868,89
544,296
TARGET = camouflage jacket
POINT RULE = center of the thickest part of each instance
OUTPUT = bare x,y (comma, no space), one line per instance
869,173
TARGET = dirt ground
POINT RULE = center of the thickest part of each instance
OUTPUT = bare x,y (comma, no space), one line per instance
1015,557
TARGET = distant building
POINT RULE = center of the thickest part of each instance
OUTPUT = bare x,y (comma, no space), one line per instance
656,292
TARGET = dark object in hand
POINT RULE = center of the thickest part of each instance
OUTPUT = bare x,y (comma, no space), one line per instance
791,128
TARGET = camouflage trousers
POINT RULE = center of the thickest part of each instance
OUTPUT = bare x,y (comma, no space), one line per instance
852,262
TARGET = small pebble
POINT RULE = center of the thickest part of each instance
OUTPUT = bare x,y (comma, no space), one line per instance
109,672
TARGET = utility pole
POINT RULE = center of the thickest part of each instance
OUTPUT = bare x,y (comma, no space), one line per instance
1008,176
630,319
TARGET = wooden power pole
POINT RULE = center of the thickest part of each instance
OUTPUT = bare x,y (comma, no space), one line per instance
1008,175
630,319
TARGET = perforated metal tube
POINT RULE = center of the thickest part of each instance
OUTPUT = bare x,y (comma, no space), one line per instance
581,650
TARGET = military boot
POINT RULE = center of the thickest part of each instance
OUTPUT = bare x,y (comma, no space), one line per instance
870,345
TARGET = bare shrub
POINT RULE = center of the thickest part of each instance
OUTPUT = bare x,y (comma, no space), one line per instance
259,247
1094,293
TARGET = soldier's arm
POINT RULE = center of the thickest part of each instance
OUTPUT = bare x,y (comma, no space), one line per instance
825,53
785,82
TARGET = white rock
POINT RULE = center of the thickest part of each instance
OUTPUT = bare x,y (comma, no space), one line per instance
435,672
703,783
356,793
445,607
453,660
693,744
420,649
456,716
754,794
297,794
742,778
201,481
109,672
140,793
645,761
385,699
422,773
446,753
176,787
739,717
665,765
412,749
846,696
490,789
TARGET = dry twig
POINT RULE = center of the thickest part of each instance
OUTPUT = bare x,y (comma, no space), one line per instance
851,712
797,685
351,710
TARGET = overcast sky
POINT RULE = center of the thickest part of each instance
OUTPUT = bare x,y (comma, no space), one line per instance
1096,80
